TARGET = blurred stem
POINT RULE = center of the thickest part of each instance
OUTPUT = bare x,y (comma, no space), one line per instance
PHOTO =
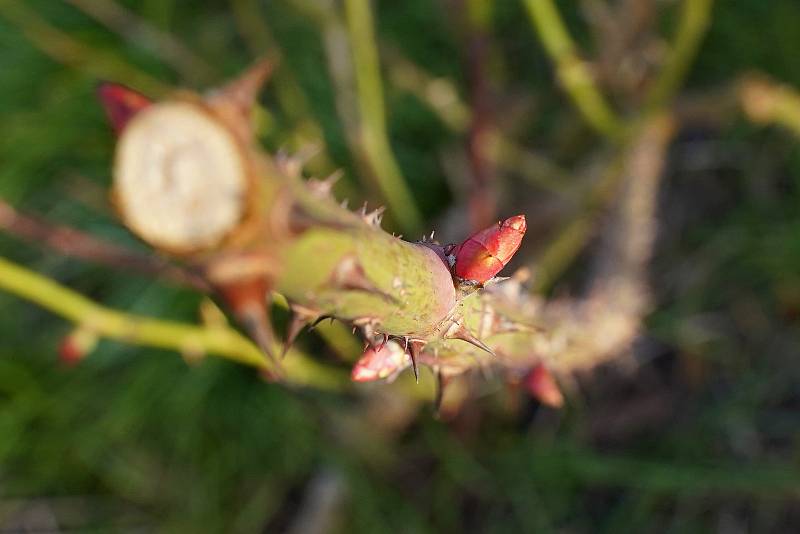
565,247
766,101
441,96
572,71
483,195
373,134
139,32
77,244
221,341
641,162
63,48
694,20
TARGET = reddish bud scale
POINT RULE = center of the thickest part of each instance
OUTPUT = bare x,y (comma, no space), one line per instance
381,362
76,345
543,387
68,351
485,253
120,104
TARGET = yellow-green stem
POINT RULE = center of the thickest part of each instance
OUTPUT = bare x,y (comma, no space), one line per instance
216,340
694,20
373,133
572,71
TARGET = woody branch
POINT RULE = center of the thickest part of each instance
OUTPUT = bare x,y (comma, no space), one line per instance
262,229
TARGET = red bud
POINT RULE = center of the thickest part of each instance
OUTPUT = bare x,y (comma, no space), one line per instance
383,362
76,345
542,386
485,253
120,104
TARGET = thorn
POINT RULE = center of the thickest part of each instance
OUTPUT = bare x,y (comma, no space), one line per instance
374,217
349,274
248,300
344,203
292,165
286,163
459,331
432,233
318,320
234,101
324,187
414,348
120,103
244,89
437,400
300,318
383,341
495,280
367,326
354,330
256,322
363,210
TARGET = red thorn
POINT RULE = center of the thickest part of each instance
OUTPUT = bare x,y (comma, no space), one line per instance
120,103
247,299
242,91
543,387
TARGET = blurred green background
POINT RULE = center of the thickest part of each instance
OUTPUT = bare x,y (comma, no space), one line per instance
702,435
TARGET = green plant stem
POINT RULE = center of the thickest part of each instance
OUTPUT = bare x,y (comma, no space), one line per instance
766,101
572,71
373,136
694,20
640,162
219,340
138,31
441,96
63,48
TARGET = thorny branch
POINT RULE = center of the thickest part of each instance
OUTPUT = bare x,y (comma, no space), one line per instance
297,240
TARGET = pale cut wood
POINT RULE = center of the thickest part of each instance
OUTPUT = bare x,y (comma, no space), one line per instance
180,180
